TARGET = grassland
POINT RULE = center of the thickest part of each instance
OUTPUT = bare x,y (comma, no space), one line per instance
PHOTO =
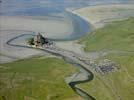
43,78
118,35
38,78
117,85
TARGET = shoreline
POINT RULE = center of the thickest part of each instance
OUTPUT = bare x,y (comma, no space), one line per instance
100,15
101,19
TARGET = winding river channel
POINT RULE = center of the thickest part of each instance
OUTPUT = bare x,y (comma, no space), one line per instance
80,28
69,57
43,8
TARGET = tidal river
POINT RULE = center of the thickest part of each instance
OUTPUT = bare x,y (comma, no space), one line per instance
54,9
70,57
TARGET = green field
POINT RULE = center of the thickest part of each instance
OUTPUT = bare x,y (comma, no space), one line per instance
118,35
42,78
117,85
37,78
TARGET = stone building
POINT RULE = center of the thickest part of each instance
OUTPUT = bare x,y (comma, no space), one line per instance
39,40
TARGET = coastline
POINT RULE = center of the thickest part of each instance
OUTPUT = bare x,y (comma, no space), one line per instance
100,15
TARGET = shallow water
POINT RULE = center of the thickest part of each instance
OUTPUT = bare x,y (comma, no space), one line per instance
46,7
54,9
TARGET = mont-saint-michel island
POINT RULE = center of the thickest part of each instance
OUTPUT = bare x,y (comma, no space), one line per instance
66,50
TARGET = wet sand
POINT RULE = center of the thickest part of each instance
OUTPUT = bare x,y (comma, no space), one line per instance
98,16
48,26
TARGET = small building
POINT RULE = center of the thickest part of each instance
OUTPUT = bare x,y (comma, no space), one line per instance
107,66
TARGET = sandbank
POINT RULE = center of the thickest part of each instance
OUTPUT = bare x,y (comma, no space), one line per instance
99,15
